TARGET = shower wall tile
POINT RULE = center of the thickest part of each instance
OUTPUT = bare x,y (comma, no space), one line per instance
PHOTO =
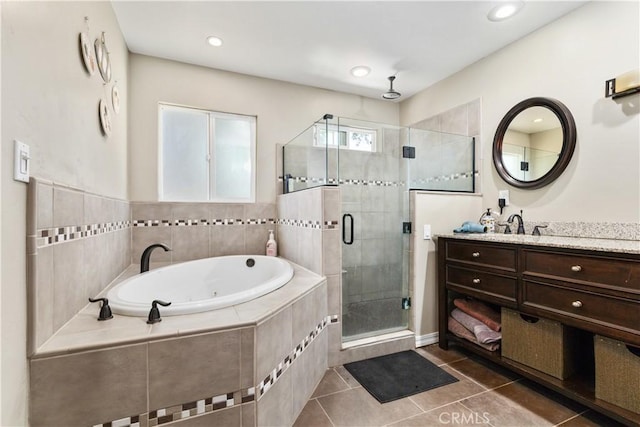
331,204
473,118
454,120
193,367
334,294
68,207
256,237
67,390
192,211
331,252
97,210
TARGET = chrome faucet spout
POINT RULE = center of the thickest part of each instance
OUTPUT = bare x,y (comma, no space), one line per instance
520,223
146,255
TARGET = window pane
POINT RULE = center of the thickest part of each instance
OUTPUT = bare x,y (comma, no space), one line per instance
233,170
184,154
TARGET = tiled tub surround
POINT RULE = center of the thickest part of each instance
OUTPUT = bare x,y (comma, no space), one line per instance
255,363
67,230
200,230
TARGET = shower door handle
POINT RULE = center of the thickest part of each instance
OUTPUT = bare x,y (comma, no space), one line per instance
344,229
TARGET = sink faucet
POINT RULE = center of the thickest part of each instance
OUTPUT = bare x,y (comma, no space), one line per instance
520,222
146,255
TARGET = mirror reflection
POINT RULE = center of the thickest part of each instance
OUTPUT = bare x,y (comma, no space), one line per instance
532,143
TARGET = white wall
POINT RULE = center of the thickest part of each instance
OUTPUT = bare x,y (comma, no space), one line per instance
283,109
569,60
50,103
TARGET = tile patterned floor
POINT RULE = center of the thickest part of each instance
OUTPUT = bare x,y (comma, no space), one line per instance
486,395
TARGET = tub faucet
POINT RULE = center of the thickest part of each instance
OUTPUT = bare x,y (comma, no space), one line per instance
146,255
520,222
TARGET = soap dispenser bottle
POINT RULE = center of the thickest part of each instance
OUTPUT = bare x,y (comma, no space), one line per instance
272,246
488,221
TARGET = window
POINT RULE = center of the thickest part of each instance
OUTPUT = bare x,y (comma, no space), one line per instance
206,155
345,137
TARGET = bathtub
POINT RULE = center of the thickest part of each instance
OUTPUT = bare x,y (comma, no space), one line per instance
201,285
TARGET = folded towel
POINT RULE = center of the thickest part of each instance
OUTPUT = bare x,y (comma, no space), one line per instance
480,311
460,331
481,331
470,227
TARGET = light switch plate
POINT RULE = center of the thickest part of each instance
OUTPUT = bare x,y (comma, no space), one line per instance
427,231
21,161
504,194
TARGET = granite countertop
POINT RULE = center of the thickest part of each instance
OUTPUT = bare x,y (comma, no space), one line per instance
592,244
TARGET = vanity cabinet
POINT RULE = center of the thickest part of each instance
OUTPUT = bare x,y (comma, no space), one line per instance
596,292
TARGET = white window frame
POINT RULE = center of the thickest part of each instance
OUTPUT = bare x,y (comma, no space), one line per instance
349,130
212,115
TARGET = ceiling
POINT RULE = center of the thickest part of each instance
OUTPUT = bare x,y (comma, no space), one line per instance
316,43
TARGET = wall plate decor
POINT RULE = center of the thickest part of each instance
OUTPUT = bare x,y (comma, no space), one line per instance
102,56
105,117
88,54
115,99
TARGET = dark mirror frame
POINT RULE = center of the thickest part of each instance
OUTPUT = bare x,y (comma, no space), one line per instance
568,141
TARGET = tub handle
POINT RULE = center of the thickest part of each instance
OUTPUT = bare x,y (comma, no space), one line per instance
154,314
344,229
105,310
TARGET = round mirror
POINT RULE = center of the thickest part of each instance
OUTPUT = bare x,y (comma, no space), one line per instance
534,142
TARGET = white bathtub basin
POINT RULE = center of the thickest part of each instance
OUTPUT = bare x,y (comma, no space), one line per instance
201,285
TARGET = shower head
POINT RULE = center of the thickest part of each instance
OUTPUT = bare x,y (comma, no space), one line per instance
391,94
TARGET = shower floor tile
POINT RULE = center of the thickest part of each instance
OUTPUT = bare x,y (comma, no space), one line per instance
485,395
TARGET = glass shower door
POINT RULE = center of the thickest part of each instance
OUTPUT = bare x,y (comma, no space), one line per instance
374,248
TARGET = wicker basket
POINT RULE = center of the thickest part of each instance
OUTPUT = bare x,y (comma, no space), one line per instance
617,374
542,344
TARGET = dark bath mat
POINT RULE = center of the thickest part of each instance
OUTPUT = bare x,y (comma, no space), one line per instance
398,375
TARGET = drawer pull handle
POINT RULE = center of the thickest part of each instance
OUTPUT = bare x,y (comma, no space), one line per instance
475,254
476,281
577,304
576,268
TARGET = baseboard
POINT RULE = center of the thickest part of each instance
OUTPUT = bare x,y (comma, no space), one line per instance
427,339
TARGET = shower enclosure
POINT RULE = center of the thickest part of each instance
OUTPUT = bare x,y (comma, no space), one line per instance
376,165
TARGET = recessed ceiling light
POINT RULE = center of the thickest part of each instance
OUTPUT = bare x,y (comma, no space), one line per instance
214,41
504,11
360,71
538,120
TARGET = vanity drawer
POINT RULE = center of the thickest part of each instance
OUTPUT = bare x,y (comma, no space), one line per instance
479,283
581,305
491,256
608,272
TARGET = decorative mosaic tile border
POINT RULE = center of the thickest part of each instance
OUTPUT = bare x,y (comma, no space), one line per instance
51,236
282,367
334,181
199,407
197,222
303,223
452,177
132,421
